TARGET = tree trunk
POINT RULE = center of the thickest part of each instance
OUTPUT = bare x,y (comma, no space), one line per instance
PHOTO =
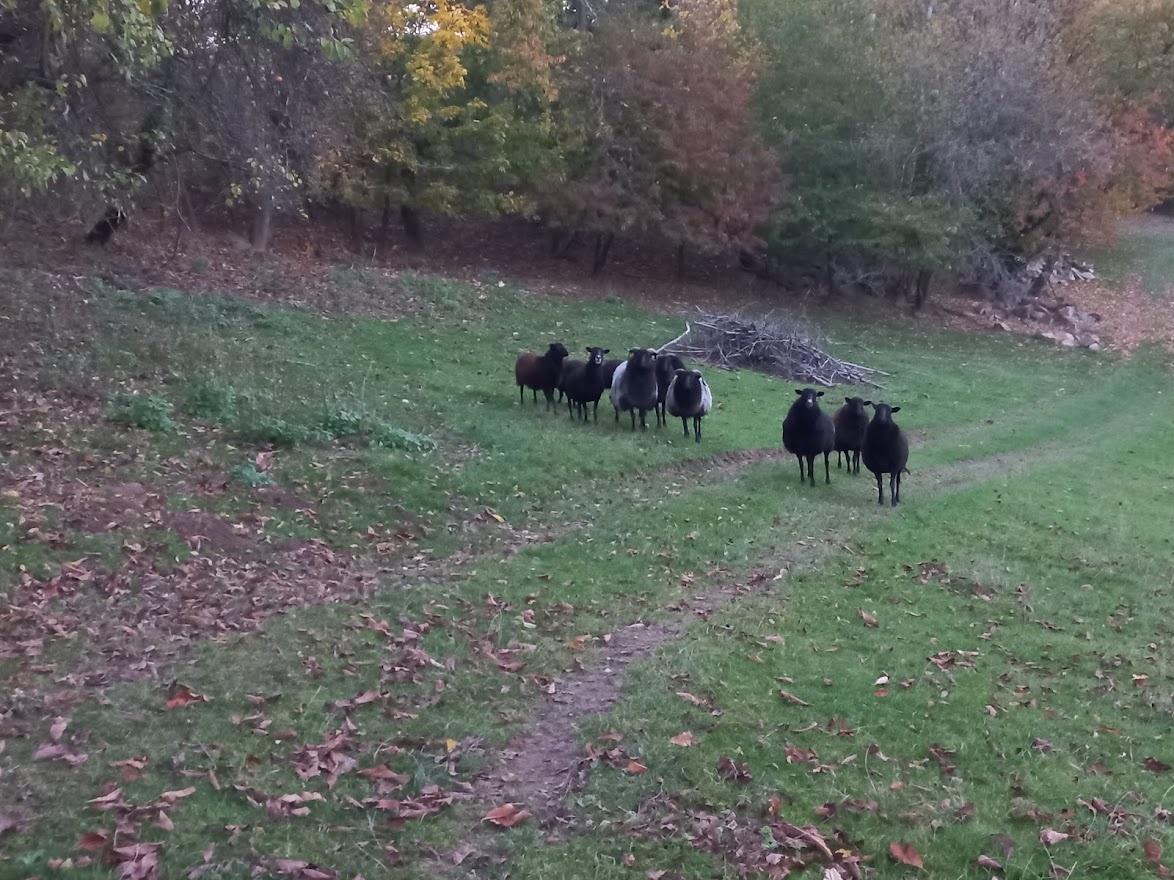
681,261
356,230
262,225
603,242
385,221
410,217
922,296
564,241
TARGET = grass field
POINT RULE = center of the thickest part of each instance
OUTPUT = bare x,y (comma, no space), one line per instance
295,582
1144,247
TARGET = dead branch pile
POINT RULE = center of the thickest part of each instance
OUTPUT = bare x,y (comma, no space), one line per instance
769,345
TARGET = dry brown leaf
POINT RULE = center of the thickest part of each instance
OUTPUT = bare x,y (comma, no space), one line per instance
905,854
791,698
732,771
868,619
1153,851
94,841
683,739
182,695
1050,836
506,816
1155,766
988,862
636,767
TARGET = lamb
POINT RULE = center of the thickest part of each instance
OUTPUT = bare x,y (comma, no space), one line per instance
851,420
666,370
583,382
808,431
540,372
634,385
886,451
688,397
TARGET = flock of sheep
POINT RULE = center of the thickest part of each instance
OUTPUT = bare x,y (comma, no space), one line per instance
647,380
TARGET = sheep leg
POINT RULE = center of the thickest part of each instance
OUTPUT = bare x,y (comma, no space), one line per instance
802,475
838,454
535,390
617,415
827,472
643,420
880,491
522,395
895,489
633,412
594,412
811,469
696,428
855,461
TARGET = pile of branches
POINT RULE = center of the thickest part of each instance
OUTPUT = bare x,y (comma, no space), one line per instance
769,345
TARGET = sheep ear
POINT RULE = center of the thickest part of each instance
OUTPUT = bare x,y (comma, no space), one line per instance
588,349
847,400
819,394
867,403
606,350
631,351
798,390
895,409
678,372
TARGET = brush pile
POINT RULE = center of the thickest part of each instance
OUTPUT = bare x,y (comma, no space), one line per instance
769,345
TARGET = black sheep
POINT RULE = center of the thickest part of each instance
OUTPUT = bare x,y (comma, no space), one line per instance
540,372
808,431
689,397
851,420
583,382
105,227
886,451
666,368
634,385
609,370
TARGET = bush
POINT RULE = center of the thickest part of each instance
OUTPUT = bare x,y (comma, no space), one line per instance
209,398
270,429
247,474
349,423
147,411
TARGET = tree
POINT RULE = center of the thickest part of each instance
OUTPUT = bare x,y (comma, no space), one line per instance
660,137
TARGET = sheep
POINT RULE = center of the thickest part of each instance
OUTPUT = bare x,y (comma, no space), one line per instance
540,372
851,420
609,370
634,385
808,431
666,370
583,382
886,451
689,397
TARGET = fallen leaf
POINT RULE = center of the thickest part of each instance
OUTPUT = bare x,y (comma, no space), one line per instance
1041,745
57,729
94,841
132,768
636,767
656,875
1155,766
461,853
1153,851
1006,844
791,698
1049,837
988,862
506,816
905,854
868,619
182,695
684,739
732,771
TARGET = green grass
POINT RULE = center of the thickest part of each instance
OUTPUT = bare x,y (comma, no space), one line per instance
415,422
1143,248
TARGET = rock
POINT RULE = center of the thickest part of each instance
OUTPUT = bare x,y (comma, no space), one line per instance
1095,346
1086,340
1068,340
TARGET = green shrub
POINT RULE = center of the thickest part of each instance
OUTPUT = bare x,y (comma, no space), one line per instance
147,411
247,474
209,398
270,429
